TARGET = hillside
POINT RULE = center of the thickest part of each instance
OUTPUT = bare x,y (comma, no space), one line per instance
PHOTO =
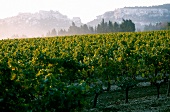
35,24
139,15
39,23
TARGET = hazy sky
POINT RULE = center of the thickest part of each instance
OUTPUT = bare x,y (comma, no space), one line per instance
85,9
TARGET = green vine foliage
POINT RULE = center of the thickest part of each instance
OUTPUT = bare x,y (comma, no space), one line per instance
60,73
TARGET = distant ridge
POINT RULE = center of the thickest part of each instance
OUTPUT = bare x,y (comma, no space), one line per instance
35,24
39,23
139,15
166,6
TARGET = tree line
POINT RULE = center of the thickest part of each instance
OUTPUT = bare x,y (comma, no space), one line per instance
102,27
157,26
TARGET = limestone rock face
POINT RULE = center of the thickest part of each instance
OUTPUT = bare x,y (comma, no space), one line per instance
139,15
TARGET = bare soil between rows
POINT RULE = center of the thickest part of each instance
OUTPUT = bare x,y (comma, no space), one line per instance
141,99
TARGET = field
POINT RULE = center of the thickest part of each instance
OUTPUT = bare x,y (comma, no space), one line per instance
68,73
141,99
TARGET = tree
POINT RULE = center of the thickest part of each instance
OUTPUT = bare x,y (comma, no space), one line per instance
62,32
91,29
48,34
15,36
24,36
99,28
53,32
102,26
106,28
168,25
85,29
127,26
110,27
157,26
115,27
73,29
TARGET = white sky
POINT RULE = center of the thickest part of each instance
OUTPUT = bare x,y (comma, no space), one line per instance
87,10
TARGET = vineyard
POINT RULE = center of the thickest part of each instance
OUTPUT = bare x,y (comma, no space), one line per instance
61,73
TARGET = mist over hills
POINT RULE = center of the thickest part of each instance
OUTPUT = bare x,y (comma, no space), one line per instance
139,15
38,24
35,24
